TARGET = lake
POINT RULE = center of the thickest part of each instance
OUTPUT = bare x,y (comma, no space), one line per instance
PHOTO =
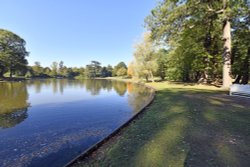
49,122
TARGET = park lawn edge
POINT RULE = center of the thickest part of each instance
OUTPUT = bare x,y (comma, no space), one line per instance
218,153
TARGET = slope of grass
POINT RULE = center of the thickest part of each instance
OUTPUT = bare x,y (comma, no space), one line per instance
186,125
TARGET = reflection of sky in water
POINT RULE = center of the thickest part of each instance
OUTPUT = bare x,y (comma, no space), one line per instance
52,121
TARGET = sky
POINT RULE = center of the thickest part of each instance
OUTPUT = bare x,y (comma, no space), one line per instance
77,31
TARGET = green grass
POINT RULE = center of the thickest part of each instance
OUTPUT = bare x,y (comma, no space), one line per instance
186,125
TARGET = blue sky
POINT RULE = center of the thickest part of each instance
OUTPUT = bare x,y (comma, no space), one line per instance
76,31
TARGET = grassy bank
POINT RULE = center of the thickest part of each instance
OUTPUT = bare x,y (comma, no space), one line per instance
185,126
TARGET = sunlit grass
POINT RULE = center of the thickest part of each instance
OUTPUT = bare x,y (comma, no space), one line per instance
186,125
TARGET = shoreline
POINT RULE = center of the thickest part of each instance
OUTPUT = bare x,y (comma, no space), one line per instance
7,79
182,117
105,140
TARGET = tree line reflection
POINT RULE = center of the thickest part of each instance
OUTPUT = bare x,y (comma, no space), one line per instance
14,96
138,96
91,85
13,104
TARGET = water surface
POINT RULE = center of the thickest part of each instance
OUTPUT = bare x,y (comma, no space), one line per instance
49,122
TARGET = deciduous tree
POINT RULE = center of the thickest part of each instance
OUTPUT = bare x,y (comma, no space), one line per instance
12,53
145,58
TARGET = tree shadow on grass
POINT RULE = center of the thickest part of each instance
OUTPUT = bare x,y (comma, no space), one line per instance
183,127
219,134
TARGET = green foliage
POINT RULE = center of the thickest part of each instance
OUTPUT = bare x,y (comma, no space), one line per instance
54,69
121,71
192,31
104,72
145,63
241,46
47,71
109,69
37,70
162,63
119,66
93,69
28,75
12,53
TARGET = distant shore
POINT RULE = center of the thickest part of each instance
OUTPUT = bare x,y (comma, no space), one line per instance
14,79
19,79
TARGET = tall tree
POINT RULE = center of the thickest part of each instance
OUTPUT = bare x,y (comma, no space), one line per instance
180,23
162,63
37,70
54,69
109,69
93,69
224,9
60,67
145,59
130,71
121,72
47,71
12,53
104,72
118,67
241,46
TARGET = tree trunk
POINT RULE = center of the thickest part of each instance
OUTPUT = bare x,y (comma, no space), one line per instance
197,76
151,76
2,70
11,73
146,77
227,54
1,74
186,77
205,80
162,77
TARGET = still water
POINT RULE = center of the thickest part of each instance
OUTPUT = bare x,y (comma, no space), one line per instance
49,122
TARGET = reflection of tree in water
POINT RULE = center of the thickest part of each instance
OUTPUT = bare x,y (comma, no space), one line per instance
138,96
120,87
13,104
54,85
62,82
59,85
11,119
107,85
95,86
39,84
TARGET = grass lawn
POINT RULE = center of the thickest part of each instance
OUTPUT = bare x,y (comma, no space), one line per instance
185,126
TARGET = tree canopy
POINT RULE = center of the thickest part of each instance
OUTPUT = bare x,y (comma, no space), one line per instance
198,35
12,53
120,69
145,63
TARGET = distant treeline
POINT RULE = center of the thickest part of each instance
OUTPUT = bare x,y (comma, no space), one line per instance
13,62
92,70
